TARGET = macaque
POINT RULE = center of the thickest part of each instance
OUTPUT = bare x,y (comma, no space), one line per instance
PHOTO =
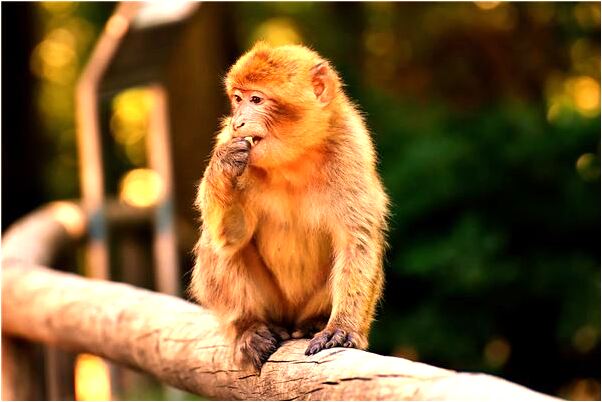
293,211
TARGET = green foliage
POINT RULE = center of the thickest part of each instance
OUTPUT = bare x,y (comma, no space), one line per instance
490,216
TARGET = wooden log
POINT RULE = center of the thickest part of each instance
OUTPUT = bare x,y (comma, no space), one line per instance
181,344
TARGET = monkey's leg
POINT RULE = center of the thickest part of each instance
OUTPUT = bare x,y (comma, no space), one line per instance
356,284
242,298
238,288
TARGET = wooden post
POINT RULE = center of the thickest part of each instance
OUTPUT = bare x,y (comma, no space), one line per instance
167,278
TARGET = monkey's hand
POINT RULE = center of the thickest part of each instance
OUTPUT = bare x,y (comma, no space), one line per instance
233,157
258,342
332,337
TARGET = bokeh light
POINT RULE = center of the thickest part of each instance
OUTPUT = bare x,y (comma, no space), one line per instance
141,188
278,31
587,14
92,379
406,352
65,38
585,94
55,57
585,57
70,216
130,122
487,5
380,43
58,8
580,94
497,352
586,338
588,167
582,389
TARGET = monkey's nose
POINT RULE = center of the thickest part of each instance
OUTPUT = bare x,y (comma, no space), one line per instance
238,124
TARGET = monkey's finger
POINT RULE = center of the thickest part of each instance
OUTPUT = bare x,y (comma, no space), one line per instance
353,340
240,143
256,361
265,339
264,333
238,154
242,154
317,343
315,348
350,342
257,349
264,349
338,338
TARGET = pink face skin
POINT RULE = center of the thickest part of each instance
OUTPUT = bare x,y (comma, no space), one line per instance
250,118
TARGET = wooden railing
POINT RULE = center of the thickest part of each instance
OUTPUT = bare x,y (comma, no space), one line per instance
180,343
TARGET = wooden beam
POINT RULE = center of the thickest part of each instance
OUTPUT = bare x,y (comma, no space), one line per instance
181,343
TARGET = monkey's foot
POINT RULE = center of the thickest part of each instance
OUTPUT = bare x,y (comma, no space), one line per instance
258,342
336,337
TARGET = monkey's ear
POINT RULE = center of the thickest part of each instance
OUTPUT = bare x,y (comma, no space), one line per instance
323,82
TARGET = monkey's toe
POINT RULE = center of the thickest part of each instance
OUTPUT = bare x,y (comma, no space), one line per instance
318,343
334,338
356,341
257,344
338,338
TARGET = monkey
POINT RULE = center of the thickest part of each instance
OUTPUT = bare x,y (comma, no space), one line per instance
293,214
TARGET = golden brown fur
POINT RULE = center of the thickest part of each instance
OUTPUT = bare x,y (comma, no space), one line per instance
292,228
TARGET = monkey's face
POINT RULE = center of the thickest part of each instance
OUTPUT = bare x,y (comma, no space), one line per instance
282,100
250,119
269,124
249,115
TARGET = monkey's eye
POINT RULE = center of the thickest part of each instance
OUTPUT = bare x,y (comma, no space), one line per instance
255,99
237,99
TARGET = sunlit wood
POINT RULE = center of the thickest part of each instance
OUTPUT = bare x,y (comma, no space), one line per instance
89,139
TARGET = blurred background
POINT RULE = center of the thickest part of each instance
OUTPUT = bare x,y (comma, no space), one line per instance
486,117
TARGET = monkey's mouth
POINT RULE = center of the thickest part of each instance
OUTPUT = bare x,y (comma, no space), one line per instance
253,140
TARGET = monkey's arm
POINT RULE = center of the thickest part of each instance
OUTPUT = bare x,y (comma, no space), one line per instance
220,198
357,275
